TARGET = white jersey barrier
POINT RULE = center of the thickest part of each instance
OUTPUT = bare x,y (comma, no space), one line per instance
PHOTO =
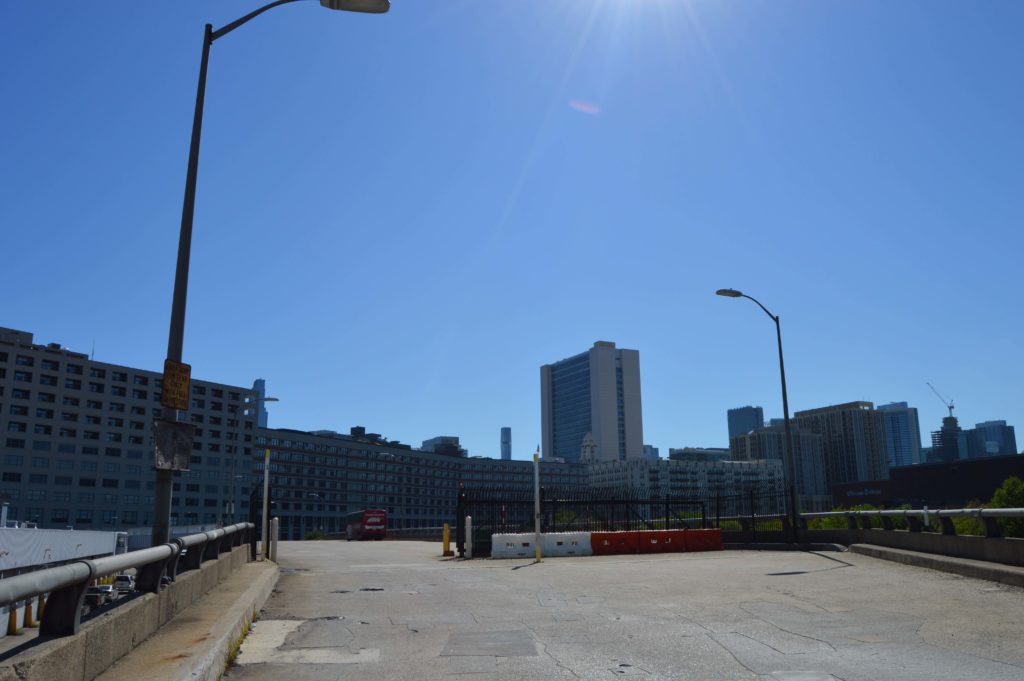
565,544
513,545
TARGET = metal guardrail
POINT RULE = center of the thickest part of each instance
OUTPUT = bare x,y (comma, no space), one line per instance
918,519
67,584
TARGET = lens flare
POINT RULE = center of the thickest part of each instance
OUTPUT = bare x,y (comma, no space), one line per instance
585,107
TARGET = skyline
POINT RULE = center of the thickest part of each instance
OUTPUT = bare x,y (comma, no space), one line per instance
401,242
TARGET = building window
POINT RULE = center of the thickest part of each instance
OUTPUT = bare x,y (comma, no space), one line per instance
118,390
96,387
72,384
18,410
74,369
70,401
87,482
21,394
46,379
140,380
50,365
97,373
16,427
23,361
23,376
47,397
14,460
10,476
119,376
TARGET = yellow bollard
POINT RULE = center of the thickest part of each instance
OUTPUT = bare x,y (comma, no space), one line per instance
41,605
30,622
446,539
12,621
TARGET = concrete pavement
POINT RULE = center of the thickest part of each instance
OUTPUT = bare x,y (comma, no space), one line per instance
395,610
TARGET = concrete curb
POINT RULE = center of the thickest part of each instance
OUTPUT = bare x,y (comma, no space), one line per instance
211,664
966,567
195,645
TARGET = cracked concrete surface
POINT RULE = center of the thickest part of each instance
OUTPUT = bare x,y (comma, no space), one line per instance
394,610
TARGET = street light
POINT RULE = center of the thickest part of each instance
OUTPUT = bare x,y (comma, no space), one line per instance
791,462
176,334
265,522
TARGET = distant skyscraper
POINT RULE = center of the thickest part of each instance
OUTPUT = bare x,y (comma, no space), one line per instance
770,443
991,438
949,443
596,392
506,444
853,439
745,419
902,434
259,387
651,453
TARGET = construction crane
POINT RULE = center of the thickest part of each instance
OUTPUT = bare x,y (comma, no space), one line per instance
947,405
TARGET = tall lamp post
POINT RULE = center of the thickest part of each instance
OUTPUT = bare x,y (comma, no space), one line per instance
176,335
250,405
794,511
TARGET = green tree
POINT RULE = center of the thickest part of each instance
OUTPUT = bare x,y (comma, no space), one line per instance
1010,495
313,534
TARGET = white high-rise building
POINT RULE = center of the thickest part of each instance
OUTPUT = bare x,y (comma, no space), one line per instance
596,392
506,444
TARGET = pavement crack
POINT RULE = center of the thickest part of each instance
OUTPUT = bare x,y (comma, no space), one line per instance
544,649
792,633
733,655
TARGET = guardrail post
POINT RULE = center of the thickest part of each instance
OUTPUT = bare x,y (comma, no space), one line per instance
63,616
149,577
886,522
947,525
250,533
865,522
914,524
851,521
211,550
991,527
194,555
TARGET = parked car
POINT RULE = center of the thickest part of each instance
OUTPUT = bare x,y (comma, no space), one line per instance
98,596
124,584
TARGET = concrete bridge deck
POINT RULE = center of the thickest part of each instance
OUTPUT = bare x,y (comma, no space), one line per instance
395,611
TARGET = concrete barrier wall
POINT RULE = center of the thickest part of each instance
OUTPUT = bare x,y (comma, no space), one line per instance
1006,551
513,545
106,638
565,544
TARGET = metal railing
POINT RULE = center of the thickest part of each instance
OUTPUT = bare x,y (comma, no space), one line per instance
919,519
67,584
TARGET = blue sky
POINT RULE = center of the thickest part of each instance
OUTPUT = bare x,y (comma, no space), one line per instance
401,217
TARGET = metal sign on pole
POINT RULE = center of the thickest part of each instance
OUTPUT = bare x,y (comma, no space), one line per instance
175,391
172,442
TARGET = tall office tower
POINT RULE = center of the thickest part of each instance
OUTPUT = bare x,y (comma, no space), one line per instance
259,387
651,453
902,434
596,392
506,444
991,438
853,439
949,443
770,443
745,419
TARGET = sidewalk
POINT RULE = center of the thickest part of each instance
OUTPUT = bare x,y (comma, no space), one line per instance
196,643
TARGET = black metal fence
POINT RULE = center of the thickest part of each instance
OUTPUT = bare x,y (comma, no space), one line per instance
511,510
